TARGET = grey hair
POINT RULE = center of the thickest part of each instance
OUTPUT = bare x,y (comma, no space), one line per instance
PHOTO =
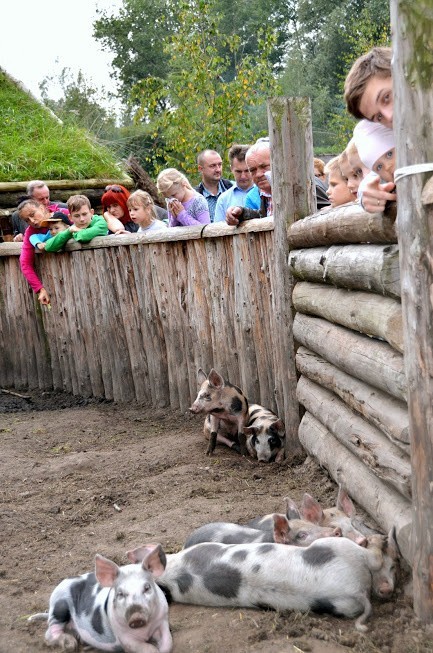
260,146
33,185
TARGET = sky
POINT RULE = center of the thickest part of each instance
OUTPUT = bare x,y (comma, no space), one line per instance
40,38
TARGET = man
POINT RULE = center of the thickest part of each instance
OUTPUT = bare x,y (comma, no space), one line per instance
368,94
212,183
39,191
258,202
236,195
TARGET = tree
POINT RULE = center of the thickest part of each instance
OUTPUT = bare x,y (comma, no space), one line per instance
201,104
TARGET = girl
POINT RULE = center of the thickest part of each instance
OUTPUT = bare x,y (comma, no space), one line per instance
143,214
185,206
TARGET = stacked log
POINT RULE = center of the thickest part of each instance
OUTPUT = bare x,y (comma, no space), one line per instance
352,384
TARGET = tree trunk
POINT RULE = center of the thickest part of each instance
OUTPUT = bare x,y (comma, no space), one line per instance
380,409
358,267
412,28
364,358
366,442
361,311
387,507
343,224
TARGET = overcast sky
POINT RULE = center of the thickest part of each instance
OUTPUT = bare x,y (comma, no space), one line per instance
41,37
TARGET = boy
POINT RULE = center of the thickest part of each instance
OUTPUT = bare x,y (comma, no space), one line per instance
368,94
351,176
85,225
57,223
338,191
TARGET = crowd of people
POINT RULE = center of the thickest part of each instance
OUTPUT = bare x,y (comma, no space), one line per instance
363,173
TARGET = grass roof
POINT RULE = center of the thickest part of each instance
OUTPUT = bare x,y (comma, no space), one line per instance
34,144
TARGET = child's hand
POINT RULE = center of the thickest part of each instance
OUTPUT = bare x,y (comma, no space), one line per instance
74,229
44,297
40,246
176,207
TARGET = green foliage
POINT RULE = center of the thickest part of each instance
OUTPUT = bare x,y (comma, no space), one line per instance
35,144
202,103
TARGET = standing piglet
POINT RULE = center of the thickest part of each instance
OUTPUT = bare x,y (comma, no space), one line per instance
113,609
226,409
266,434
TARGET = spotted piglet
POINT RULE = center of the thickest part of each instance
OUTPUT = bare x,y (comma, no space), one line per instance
113,609
226,409
266,434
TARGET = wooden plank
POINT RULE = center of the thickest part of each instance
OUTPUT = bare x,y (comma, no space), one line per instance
380,409
387,507
358,267
365,358
380,455
361,311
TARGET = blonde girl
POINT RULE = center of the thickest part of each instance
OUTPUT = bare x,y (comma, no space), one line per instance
142,212
185,206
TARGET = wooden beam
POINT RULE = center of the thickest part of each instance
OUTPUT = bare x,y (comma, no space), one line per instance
412,27
291,144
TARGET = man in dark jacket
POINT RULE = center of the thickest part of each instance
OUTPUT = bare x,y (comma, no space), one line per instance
212,183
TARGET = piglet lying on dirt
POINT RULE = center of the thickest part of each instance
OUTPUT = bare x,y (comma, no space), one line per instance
296,532
266,434
226,409
124,612
331,575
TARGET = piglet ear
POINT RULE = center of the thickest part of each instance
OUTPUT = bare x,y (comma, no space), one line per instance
106,571
292,510
281,529
215,379
201,376
344,502
278,427
311,509
249,430
392,548
138,555
155,561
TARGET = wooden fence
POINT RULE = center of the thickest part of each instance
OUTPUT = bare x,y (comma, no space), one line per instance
133,317
352,381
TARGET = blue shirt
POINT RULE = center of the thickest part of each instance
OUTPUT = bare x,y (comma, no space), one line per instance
212,199
252,200
234,196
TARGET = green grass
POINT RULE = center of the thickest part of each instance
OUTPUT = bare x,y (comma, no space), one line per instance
34,145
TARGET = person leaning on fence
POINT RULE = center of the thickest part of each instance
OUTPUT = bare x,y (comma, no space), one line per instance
236,194
85,225
56,223
34,214
115,209
142,211
368,92
39,191
185,206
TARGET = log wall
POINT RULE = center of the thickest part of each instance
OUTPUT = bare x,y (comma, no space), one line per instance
350,358
133,317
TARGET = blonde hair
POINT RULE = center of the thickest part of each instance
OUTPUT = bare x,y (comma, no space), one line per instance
351,148
170,179
141,198
333,166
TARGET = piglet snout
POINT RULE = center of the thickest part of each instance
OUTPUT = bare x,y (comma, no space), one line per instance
136,617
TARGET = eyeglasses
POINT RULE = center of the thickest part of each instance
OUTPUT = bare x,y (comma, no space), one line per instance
115,189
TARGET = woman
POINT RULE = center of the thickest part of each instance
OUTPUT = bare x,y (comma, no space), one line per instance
116,213
185,206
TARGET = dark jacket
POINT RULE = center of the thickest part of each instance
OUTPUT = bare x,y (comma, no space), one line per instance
225,182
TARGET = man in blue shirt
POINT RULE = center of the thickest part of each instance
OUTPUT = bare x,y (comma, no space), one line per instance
212,184
235,196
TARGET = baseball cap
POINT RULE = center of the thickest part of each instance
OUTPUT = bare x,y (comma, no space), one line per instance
58,216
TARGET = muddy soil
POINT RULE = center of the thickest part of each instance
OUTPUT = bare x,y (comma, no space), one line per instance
80,477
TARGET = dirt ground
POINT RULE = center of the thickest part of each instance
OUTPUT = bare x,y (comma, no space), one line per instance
80,477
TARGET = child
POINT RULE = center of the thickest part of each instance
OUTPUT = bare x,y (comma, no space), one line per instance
376,148
57,223
35,215
142,211
352,167
348,173
85,225
185,206
338,192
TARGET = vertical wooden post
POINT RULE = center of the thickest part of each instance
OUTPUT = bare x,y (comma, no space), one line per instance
412,26
292,198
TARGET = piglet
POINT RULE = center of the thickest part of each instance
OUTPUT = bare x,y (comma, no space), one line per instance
226,409
113,609
266,434
296,532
